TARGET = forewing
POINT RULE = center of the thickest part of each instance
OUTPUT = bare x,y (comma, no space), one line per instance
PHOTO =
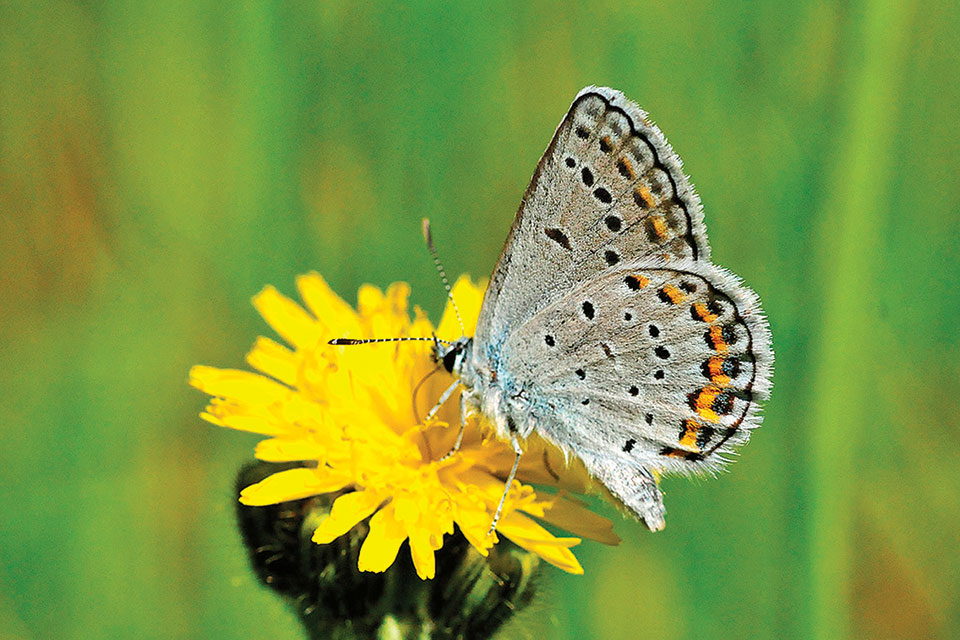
654,366
608,190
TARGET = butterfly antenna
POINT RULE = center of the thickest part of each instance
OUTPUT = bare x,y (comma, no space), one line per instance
443,274
342,342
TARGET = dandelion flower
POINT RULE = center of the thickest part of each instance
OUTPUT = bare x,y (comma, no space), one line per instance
354,417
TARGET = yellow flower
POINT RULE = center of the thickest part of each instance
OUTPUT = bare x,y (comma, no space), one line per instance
354,416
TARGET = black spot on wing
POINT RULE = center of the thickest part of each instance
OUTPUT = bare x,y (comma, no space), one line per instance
583,133
602,195
587,176
588,310
559,237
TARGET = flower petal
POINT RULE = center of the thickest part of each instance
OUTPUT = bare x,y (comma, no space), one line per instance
293,484
288,450
253,424
575,517
241,385
287,318
384,314
347,511
336,316
255,418
383,542
350,411
275,360
527,534
422,552
544,463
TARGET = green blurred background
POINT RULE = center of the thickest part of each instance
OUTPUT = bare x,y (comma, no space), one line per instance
161,162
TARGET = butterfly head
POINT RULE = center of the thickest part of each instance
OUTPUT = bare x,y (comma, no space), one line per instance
452,355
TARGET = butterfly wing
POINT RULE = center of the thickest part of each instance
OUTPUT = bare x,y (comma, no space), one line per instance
605,327
651,366
608,189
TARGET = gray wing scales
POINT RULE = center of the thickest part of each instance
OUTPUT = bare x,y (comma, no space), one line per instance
651,367
605,327
608,190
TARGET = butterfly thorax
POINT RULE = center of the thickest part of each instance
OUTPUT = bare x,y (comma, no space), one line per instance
492,393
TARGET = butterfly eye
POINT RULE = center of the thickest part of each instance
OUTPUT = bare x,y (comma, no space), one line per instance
450,359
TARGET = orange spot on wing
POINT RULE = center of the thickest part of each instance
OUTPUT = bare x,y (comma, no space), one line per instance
674,294
716,337
717,376
643,197
670,452
703,403
703,313
688,438
639,280
647,196
659,226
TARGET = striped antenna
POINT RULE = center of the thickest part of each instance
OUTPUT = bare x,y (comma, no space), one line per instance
342,342
443,274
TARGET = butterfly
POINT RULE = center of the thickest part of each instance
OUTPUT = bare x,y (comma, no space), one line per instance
605,327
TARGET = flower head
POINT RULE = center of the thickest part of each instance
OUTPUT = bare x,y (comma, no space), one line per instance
354,416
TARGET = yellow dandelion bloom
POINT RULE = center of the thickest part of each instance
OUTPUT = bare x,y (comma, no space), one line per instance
354,415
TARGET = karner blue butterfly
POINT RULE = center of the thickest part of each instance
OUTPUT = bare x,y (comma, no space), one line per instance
605,328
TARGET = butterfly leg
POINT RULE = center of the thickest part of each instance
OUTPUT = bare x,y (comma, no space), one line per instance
509,483
456,445
443,398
